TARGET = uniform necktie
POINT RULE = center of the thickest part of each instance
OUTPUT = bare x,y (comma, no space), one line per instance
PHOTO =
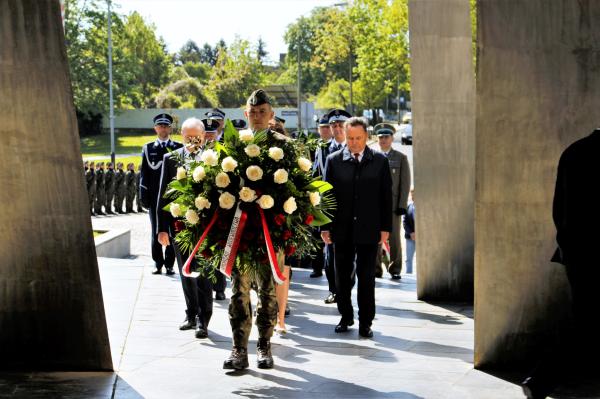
163,145
356,155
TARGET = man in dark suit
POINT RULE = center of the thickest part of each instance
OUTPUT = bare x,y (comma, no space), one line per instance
197,291
152,159
362,186
576,214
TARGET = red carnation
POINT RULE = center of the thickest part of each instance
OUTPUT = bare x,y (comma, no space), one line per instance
286,235
206,253
290,250
178,226
279,219
309,219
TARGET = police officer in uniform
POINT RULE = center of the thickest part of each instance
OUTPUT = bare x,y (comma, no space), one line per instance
258,112
217,115
152,159
400,170
239,124
129,188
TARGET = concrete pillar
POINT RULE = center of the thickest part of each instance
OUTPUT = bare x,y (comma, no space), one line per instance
537,91
51,309
443,107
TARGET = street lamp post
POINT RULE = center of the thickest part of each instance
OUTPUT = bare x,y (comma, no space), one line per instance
111,113
299,91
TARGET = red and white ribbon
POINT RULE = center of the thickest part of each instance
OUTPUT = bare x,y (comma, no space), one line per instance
279,278
185,270
233,241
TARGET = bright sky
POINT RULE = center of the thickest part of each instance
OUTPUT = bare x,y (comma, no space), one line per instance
207,21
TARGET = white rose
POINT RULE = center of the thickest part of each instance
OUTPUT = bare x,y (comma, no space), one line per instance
198,174
247,194
276,153
304,164
254,172
290,206
252,150
315,198
266,202
181,173
201,202
229,164
210,157
191,216
222,180
226,201
175,210
246,135
280,176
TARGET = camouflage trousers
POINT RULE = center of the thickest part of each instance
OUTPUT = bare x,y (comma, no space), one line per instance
240,308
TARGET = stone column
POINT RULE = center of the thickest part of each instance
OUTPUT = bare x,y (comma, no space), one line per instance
443,107
537,91
51,309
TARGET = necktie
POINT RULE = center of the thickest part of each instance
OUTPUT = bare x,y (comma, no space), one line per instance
356,155
163,145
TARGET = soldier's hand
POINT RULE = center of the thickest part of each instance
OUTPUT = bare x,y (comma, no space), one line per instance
163,238
326,237
413,236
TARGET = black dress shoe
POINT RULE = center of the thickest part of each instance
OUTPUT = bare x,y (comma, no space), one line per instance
201,332
316,274
187,325
170,271
396,276
157,271
220,296
330,298
365,332
237,360
534,388
264,359
343,325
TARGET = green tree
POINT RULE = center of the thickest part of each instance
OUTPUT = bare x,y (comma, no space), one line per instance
185,93
189,52
236,74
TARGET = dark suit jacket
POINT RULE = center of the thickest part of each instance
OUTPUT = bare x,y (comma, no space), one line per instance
169,172
409,220
152,158
576,207
363,193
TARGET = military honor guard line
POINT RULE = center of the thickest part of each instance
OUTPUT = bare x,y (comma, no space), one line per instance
370,189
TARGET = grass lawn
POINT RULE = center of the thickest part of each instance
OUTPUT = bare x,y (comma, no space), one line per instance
126,144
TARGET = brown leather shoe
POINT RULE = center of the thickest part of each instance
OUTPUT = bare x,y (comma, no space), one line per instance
237,360
264,359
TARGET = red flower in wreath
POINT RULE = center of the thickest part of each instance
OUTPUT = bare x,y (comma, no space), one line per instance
309,219
290,250
286,235
178,226
279,219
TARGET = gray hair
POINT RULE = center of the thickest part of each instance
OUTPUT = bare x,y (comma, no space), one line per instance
356,121
191,123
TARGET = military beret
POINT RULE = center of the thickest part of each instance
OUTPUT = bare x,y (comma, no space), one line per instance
280,120
163,119
210,125
384,129
258,97
338,115
239,123
215,113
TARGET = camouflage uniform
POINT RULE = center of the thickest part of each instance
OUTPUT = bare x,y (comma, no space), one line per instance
119,188
109,186
129,188
100,198
90,180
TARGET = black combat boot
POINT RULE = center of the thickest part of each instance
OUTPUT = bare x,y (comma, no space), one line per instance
238,360
264,359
